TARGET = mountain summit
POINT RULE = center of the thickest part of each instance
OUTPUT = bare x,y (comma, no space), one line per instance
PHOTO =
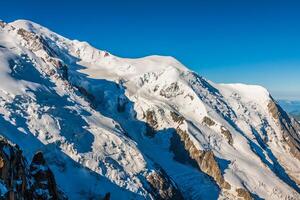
146,128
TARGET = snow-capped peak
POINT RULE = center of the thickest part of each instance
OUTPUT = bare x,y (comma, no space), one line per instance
144,128
87,53
254,93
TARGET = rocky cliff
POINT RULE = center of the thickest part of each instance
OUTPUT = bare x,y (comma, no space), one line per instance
19,180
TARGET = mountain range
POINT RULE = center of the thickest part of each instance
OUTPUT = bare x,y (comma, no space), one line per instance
98,126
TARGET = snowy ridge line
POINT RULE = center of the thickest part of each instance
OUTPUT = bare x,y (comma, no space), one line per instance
112,121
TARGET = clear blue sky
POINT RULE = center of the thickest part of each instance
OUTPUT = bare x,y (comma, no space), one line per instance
251,41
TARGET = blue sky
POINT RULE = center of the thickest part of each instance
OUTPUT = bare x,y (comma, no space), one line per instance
255,42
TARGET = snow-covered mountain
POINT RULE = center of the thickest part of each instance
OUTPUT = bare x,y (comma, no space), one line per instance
146,128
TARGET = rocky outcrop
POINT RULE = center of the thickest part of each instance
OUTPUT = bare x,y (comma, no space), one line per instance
176,117
208,121
19,182
162,187
151,118
208,164
205,160
35,42
224,131
15,179
2,24
180,153
172,90
151,123
61,67
290,128
243,193
44,186
274,111
227,135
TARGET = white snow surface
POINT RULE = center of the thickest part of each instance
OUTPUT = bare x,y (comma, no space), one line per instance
94,148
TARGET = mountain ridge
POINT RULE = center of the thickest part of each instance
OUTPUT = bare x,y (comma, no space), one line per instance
126,120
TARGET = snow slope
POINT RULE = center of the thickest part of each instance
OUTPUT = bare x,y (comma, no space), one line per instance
107,123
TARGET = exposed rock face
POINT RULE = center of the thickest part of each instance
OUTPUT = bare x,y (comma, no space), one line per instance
163,188
208,121
18,182
151,123
61,67
15,178
176,117
151,118
243,194
289,127
171,91
44,186
2,24
148,77
290,130
205,159
35,42
227,134
180,153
